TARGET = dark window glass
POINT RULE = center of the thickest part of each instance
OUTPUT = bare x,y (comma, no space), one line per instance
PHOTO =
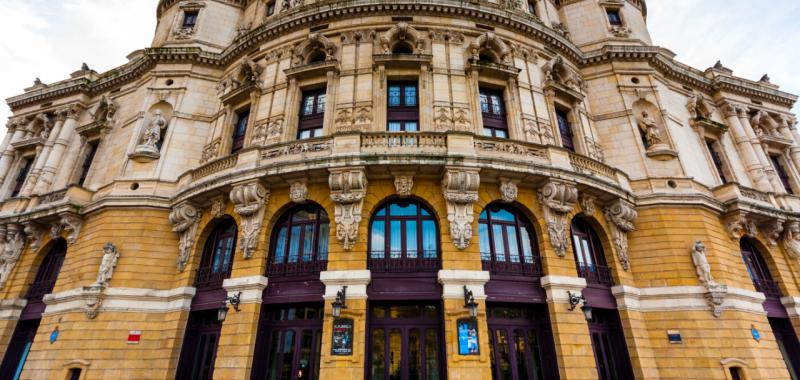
91,150
493,112
521,342
300,242
507,242
782,174
403,237
199,350
312,114
240,130
608,343
402,107
217,260
532,8
735,374
270,8
289,343
19,347
22,176
75,374
614,17
48,271
758,270
190,19
717,158
589,256
565,129
788,344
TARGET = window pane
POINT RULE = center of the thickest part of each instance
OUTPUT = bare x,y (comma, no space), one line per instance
288,348
432,354
513,247
395,244
497,107
321,103
414,355
522,352
499,245
429,239
304,364
378,354
411,126
378,235
486,249
588,253
304,134
488,132
578,249
484,103
308,242
322,242
395,354
394,126
411,239
500,133
409,209
411,96
308,105
280,245
294,244
503,356
527,247
394,96
502,214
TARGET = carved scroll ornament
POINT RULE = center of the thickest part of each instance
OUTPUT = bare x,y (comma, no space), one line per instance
460,188
558,199
348,187
621,216
249,200
185,218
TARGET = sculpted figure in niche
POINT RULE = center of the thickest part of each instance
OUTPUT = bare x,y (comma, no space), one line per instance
701,264
110,258
152,134
651,130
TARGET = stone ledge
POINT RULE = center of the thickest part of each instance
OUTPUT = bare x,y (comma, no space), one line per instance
792,305
252,288
453,282
355,280
11,309
684,298
557,287
122,300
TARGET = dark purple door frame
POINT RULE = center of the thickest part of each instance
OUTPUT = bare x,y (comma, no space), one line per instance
539,324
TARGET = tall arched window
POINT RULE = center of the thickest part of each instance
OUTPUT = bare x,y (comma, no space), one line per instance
758,270
589,257
403,238
299,242
218,252
508,244
48,271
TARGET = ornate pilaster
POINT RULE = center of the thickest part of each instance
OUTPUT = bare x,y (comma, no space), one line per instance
12,245
185,218
348,187
621,216
558,199
249,201
460,188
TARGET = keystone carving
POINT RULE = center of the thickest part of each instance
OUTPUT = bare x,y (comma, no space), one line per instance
558,199
298,191
739,226
249,201
403,183
185,218
508,190
588,204
460,188
12,242
715,293
791,238
621,216
348,187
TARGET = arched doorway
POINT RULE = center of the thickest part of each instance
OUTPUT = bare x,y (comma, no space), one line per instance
31,316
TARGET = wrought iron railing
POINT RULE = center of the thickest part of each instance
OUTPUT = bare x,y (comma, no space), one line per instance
768,287
211,277
532,269
596,274
299,268
399,262
37,290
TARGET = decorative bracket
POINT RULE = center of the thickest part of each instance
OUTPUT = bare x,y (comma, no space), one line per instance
558,199
621,216
791,238
185,218
460,187
35,232
249,200
71,224
739,225
348,188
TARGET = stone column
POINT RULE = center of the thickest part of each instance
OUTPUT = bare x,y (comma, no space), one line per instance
60,146
794,151
16,133
41,158
748,154
776,186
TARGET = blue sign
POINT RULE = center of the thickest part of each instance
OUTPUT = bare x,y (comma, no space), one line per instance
674,337
468,337
54,335
756,334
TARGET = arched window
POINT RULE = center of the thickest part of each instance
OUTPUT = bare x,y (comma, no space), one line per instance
48,271
218,252
402,48
589,257
508,244
758,270
299,242
403,238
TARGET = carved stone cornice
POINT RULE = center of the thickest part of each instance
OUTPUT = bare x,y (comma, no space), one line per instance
185,218
249,201
348,188
621,216
557,198
460,188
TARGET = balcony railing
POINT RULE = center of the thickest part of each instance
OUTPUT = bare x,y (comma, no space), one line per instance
300,268
533,269
207,277
596,274
768,287
395,263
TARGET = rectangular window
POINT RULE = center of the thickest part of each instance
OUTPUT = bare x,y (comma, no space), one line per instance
565,129
312,114
240,130
532,7
716,157
270,8
190,19
23,174
91,150
614,17
402,107
493,113
782,174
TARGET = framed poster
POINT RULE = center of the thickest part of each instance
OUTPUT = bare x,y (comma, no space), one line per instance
468,337
342,342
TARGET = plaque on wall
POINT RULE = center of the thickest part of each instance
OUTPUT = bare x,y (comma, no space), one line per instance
468,337
342,342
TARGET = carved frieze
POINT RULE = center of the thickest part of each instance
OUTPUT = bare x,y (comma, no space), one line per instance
348,187
557,199
537,132
267,132
460,187
249,202
185,218
211,151
621,216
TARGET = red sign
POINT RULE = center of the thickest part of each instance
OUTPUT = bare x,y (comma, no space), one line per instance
134,336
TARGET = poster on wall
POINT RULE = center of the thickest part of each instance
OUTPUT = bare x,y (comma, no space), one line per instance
468,337
342,342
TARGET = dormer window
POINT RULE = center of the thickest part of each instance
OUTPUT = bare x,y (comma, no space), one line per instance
190,19
270,8
614,17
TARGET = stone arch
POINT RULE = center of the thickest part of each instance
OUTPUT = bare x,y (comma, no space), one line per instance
405,36
314,49
491,46
529,216
767,255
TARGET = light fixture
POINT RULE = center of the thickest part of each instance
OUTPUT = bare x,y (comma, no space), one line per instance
470,304
340,302
575,299
234,300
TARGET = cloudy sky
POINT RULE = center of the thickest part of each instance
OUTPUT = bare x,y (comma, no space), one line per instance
51,38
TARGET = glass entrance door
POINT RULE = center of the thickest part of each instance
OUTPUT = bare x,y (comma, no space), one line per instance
200,343
521,343
289,343
788,344
608,343
404,342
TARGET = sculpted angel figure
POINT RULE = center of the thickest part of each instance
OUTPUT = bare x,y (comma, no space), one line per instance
107,265
701,264
152,134
651,130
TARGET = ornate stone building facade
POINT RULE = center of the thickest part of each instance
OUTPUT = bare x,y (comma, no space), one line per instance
420,189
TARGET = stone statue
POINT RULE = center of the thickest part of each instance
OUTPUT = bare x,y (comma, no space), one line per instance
107,265
701,264
11,251
152,134
651,130
791,239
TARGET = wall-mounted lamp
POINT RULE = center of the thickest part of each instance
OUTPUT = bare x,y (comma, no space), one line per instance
340,302
470,304
235,300
575,299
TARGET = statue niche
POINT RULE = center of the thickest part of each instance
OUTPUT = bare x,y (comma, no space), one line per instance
151,137
652,130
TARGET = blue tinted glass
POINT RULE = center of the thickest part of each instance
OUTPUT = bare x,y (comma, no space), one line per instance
294,244
424,212
486,248
409,209
396,240
381,212
394,96
321,103
377,235
411,126
502,214
484,103
513,247
500,133
429,239
322,242
411,96
280,245
394,126
308,242
497,108
487,131
499,245
411,239
304,134
483,214
527,247
308,105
